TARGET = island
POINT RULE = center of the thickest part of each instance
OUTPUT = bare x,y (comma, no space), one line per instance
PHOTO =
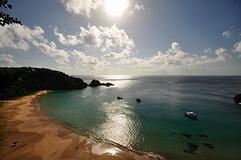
96,83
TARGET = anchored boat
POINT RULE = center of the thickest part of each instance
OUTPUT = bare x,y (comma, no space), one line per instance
191,115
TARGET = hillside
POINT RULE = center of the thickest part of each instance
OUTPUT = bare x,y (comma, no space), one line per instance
21,81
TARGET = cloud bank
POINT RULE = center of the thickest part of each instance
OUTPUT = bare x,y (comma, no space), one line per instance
82,7
115,46
112,41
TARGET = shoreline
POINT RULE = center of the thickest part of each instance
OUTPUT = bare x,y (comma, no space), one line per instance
31,135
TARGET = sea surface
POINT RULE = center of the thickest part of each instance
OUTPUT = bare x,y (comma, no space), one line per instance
157,124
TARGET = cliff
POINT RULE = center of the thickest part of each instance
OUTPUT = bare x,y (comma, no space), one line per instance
17,82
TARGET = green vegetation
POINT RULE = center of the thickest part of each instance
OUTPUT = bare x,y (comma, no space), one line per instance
6,18
17,82
3,131
3,123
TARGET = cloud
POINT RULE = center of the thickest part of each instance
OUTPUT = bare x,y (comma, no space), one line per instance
131,13
136,8
90,61
117,41
208,50
6,59
237,48
175,55
69,40
175,48
82,7
139,7
112,41
91,37
18,37
226,34
111,55
86,60
173,59
61,56
223,55
88,37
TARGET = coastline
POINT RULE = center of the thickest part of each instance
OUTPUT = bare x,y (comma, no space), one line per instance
31,135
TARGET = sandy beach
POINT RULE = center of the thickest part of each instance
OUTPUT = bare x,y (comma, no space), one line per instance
31,135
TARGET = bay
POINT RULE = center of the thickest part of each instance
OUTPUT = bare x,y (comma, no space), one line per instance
156,124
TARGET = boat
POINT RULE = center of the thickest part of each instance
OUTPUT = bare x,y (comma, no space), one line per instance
191,115
138,100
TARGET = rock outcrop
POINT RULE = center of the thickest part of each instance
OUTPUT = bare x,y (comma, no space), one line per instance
237,98
96,83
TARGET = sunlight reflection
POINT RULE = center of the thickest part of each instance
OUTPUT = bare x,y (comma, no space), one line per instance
120,126
115,77
112,151
120,81
102,148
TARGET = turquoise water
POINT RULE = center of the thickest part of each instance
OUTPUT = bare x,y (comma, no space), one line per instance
157,124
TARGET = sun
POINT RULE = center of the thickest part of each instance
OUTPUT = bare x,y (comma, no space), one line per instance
116,7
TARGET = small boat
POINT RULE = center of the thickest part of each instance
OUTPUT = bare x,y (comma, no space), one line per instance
191,115
119,97
138,100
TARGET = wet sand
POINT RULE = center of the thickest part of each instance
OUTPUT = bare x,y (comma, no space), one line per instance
31,135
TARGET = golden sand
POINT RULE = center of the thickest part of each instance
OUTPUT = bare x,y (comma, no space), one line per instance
31,135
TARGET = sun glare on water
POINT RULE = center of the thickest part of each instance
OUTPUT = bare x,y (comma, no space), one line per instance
116,7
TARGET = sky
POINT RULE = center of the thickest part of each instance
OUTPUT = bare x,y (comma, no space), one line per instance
125,37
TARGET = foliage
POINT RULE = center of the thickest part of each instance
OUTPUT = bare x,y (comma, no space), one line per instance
3,131
21,81
6,18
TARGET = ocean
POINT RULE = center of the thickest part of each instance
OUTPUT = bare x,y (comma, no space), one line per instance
156,124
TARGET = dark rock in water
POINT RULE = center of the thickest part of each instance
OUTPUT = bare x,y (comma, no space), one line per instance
237,98
186,135
192,147
108,84
96,83
208,145
203,135
119,97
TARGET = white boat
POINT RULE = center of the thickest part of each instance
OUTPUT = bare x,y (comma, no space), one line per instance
191,115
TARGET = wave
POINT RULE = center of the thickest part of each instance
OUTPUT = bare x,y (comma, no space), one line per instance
148,154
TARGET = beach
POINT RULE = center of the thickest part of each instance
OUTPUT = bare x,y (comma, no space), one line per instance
32,135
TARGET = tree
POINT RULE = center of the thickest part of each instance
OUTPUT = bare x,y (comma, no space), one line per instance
6,18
